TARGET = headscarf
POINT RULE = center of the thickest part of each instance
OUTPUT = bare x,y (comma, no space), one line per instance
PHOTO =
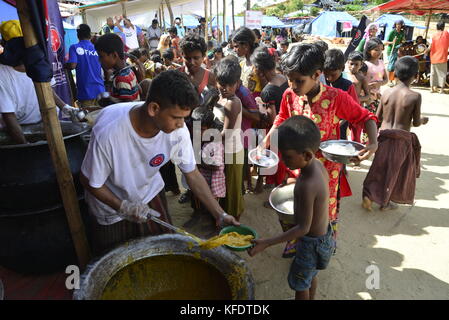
162,46
368,28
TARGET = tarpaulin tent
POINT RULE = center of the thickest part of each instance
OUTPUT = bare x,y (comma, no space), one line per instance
141,12
267,21
333,24
386,23
418,7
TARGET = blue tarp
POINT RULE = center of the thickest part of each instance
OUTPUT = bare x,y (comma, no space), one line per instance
388,21
326,24
7,12
70,37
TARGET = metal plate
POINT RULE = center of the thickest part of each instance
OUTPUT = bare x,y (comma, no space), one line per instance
340,157
280,198
268,159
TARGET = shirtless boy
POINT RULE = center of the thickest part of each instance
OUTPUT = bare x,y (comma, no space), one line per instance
354,64
392,176
299,139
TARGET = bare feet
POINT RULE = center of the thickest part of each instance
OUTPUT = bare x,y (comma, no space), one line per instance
366,204
389,206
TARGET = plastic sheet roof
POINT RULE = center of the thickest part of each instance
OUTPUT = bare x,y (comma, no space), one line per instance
418,7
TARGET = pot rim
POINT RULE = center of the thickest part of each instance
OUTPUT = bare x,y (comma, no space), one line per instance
83,126
99,272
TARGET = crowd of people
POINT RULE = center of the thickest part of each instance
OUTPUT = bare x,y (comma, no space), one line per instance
169,91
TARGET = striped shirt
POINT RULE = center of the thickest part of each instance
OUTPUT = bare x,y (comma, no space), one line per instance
124,85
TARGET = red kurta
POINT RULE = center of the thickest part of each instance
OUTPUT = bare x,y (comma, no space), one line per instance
326,109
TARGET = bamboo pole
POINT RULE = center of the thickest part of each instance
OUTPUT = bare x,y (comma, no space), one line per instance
163,16
428,24
224,20
218,24
160,19
123,9
170,12
233,15
83,16
206,13
56,145
182,18
210,18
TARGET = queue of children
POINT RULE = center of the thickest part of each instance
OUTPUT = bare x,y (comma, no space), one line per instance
308,96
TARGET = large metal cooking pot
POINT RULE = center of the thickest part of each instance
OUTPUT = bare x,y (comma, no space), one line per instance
38,241
281,199
27,175
168,267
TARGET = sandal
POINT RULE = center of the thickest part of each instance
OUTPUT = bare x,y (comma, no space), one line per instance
185,197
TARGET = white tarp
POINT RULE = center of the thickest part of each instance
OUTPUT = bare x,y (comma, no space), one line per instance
141,12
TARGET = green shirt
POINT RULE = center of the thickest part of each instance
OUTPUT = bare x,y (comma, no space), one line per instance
400,38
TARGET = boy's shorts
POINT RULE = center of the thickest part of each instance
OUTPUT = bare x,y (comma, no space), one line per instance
312,254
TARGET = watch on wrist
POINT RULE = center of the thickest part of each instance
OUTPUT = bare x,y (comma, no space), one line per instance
222,217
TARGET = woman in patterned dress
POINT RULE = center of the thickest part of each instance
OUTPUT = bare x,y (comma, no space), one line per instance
324,105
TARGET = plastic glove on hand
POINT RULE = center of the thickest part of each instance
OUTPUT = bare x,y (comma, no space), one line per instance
68,111
136,211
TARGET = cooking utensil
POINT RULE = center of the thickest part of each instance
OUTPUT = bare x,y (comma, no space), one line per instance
339,156
173,228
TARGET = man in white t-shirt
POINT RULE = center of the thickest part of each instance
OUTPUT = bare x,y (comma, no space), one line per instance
129,144
133,34
18,102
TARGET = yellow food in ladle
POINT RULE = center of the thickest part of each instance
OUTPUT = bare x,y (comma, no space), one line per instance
231,239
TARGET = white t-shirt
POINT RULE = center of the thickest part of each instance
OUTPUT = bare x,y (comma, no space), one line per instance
127,163
131,37
17,94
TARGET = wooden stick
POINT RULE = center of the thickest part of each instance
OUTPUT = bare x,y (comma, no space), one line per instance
206,13
218,24
170,12
428,24
233,15
57,148
224,20
123,9
163,16
211,15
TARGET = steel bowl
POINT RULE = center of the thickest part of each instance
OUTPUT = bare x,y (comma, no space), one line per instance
278,197
269,156
340,158
172,281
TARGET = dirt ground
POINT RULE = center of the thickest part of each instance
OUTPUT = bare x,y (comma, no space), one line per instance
409,246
